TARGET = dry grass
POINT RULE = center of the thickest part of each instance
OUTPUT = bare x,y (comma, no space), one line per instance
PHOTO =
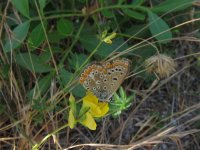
165,114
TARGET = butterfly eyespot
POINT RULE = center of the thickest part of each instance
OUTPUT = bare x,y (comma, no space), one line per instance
87,88
98,82
98,87
82,74
86,83
101,76
94,88
121,73
115,79
104,80
80,79
109,73
104,87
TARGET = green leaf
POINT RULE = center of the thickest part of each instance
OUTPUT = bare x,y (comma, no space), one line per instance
64,26
157,25
72,105
82,112
107,13
134,14
40,88
17,37
172,6
45,56
90,42
121,102
77,60
55,36
78,91
22,6
32,62
139,30
137,2
65,77
37,36
144,51
42,4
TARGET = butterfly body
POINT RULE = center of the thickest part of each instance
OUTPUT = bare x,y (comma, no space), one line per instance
103,79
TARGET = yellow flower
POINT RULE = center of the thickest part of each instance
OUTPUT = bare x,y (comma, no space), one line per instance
108,39
89,122
90,109
97,109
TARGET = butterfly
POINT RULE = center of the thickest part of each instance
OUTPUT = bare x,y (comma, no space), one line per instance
104,78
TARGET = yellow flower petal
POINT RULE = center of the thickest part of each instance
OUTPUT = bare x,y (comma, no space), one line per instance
108,41
96,109
89,122
71,120
109,38
104,108
90,97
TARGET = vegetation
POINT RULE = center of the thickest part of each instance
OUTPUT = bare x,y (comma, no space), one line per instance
47,44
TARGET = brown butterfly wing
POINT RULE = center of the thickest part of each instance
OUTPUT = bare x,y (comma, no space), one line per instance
116,73
92,79
104,79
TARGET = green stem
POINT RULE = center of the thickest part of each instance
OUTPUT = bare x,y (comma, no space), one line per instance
36,146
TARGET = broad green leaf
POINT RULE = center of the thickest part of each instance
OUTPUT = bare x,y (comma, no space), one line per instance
22,6
40,88
158,26
172,6
32,62
17,37
137,2
37,36
42,4
78,91
45,56
139,30
55,36
76,60
144,51
90,42
107,13
134,14
64,26
65,76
